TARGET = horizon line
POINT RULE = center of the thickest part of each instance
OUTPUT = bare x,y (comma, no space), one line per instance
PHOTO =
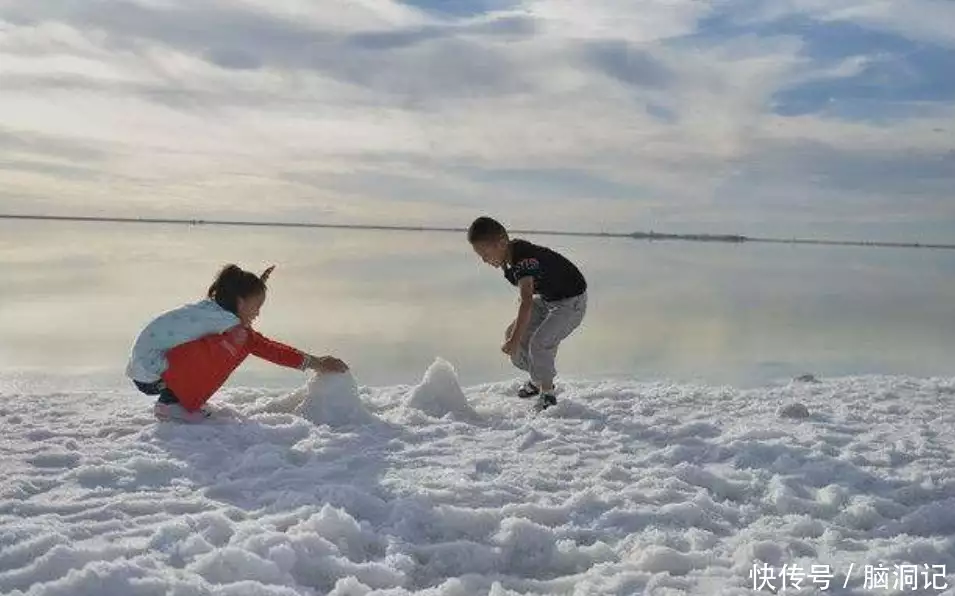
727,238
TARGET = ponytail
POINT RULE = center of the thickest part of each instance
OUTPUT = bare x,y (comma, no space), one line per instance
233,283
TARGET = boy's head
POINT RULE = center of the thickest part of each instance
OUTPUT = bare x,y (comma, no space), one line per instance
489,240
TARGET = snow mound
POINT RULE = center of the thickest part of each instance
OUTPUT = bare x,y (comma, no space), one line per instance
439,394
333,400
794,410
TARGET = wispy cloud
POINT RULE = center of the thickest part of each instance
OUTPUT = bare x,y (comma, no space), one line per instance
675,114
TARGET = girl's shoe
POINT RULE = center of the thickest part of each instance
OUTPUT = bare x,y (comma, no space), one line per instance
175,412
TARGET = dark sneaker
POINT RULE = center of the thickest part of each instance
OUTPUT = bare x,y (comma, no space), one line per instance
545,401
528,390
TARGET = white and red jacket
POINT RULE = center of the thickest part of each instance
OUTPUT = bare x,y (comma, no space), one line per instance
193,349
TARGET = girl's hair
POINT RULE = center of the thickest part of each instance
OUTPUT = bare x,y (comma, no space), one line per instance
233,283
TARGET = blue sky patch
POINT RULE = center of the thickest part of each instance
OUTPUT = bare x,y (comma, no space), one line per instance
899,70
628,64
924,74
459,8
662,113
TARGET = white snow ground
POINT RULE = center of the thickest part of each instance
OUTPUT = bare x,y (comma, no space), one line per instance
639,488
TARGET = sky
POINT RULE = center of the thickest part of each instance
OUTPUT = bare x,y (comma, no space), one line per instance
815,118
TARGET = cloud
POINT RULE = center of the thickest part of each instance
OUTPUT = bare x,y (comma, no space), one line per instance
26,142
556,113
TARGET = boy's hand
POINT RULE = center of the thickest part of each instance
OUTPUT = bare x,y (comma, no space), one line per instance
327,364
510,346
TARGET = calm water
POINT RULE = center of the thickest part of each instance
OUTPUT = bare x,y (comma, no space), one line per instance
75,295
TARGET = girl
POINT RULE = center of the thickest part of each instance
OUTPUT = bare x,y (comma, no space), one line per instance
185,355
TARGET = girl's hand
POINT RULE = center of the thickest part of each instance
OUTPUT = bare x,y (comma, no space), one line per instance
327,364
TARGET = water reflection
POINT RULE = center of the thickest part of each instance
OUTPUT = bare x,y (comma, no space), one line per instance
75,295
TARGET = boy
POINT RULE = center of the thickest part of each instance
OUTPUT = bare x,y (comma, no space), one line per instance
553,301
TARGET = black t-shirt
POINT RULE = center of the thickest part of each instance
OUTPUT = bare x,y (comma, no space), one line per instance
555,277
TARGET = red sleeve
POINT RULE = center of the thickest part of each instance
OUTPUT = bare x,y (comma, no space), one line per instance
275,352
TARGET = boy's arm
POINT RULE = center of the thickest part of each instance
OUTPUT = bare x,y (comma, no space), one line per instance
526,286
276,352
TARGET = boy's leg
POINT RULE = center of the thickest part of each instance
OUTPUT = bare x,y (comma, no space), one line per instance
563,319
521,358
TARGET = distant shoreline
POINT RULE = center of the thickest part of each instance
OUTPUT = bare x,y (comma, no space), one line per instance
651,236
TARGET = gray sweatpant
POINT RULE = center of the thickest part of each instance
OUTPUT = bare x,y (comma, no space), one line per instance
550,324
